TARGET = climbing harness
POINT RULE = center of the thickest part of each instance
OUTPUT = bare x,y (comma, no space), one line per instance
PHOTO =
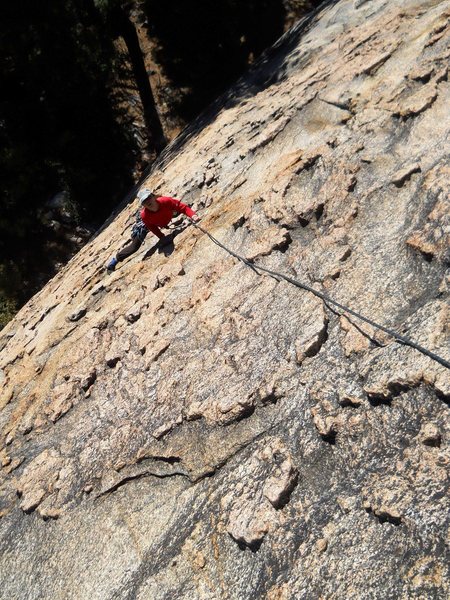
275,274
139,230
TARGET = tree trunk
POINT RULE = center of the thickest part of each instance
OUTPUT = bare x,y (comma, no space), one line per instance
126,29
122,26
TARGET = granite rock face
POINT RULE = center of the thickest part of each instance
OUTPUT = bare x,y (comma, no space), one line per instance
187,428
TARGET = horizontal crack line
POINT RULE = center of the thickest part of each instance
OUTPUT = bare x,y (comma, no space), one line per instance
193,480
126,480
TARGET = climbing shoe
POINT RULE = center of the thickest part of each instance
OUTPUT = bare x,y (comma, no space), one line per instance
111,265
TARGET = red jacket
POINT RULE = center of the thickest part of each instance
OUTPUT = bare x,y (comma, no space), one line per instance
162,217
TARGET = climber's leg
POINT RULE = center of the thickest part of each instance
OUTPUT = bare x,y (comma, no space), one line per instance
126,251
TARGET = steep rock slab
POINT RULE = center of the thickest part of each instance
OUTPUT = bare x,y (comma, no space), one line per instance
187,428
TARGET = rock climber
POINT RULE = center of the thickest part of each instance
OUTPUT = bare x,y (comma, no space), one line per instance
157,211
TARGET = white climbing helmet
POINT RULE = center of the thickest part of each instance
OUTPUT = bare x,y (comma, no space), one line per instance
143,194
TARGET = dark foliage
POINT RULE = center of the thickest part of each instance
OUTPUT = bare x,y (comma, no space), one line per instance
203,48
59,130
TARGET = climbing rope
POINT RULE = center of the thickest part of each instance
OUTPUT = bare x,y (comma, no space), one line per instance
399,338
